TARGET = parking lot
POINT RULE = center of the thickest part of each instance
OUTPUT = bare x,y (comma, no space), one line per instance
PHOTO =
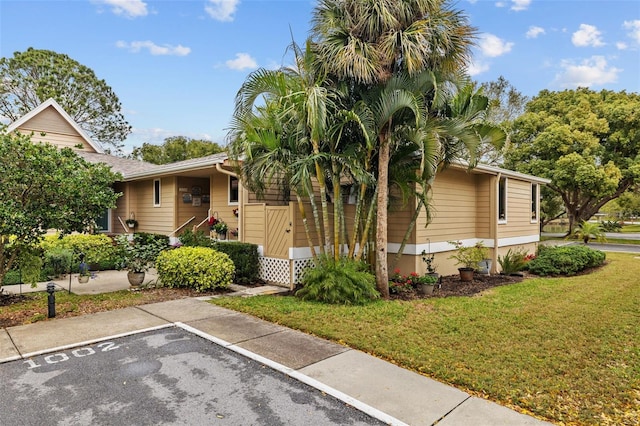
165,376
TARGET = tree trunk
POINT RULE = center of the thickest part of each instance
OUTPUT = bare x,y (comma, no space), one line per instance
307,231
382,268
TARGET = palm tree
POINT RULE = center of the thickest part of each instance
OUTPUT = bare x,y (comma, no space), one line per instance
588,231
370,42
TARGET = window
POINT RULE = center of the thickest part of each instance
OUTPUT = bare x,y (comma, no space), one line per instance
104,221
156,193
534,202
233,190
502,200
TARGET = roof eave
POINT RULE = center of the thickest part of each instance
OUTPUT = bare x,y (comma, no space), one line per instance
173,168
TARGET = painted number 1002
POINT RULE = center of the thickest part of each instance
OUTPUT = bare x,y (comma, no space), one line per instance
59,357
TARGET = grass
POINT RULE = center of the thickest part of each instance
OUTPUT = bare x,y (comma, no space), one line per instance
563,349
33,307
631,228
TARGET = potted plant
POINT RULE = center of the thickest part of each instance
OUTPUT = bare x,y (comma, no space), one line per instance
137,257
131,223
83,273
221,229
426,283
468,257
428,259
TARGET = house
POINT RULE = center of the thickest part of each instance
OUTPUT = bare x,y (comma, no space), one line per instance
497,207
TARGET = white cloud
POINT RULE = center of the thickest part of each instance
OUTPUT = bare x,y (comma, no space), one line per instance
534,31
222,10
243,61
493,46
516,5
621,45
127,8
587,35
154,49
634,29
590,72
477,67
519,5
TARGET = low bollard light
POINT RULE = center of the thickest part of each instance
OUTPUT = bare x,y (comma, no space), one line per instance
51,289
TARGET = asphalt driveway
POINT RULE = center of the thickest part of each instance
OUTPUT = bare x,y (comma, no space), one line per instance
166,376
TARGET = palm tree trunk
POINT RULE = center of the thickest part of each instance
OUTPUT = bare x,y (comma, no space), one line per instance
407,234
356,219
382,268
337,216
367,226
307,231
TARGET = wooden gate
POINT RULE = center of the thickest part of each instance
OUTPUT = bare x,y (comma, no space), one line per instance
279,235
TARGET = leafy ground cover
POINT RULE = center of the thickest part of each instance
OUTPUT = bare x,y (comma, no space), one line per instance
563,349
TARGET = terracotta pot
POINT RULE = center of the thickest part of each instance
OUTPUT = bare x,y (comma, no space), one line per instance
83,278
135,278
466,274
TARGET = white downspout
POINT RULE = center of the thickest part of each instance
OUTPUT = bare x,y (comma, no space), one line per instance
496,225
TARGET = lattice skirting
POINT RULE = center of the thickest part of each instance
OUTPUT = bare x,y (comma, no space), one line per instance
300,266
275,271
278,271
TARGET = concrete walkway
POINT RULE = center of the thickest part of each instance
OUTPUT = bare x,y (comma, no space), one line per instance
390,393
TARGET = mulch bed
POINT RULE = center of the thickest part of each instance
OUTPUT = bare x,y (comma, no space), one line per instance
450,285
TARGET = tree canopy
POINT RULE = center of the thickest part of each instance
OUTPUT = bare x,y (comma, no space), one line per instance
175,148
377,95
29,78
42,187
586,142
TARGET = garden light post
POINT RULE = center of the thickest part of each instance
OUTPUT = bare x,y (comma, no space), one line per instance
51,288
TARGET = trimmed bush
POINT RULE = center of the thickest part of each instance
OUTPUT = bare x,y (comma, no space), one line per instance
344,282
200,268
565,260
245,259
98,248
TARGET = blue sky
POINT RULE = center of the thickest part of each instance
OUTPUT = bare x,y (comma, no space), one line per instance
177,65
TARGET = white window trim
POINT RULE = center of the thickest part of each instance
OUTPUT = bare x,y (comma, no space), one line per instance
159,193
537,195
506,198
232,203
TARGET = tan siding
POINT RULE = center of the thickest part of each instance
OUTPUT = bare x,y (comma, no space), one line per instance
518,210
185,211
453,210
483,206
150,218
220,200
57,130
254,224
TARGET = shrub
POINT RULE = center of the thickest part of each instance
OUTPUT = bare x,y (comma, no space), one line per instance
195,239
200,268
245,259
512,262
57,261
98,249
345,282
138,254
611,226
565,260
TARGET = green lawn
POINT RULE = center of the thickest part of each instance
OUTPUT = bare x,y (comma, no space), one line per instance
564,349
631,228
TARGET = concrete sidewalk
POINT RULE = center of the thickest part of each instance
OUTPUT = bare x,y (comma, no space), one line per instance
407,397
